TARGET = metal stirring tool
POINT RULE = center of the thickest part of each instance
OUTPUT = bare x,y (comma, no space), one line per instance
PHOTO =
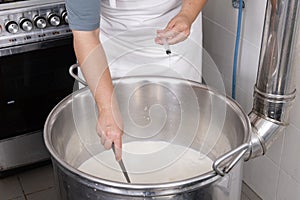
121,165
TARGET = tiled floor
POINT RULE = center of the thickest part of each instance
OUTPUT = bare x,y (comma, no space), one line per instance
34,184
38,184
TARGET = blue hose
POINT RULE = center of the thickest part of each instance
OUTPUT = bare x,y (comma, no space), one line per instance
236,51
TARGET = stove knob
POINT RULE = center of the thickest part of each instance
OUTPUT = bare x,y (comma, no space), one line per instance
11,27
54,19
64,16
40,22
26,24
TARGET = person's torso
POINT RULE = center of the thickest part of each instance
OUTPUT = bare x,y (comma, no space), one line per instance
123,15
128,29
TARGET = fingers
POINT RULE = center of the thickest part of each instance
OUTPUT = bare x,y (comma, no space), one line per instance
177,38
110,135
107,144
167,34
172,37
177,30
103,138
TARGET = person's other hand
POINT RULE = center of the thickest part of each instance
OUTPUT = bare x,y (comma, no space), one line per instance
177,30
110,129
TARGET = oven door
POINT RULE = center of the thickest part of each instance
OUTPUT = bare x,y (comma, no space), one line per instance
33,79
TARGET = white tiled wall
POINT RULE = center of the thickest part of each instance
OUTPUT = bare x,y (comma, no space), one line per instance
275,176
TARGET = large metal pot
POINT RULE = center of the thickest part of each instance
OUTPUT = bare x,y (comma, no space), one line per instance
181,112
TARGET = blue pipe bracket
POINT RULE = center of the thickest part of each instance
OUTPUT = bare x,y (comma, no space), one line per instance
236,4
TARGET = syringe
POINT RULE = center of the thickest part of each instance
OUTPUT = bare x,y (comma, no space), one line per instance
166,46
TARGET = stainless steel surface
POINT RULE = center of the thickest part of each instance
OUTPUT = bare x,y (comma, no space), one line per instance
182,112
27,3
34,46
77,78
64,16
275,76
264,133
34,23
239,153
26,24
54,19
22,150
122,166
256,147
275,88
40,22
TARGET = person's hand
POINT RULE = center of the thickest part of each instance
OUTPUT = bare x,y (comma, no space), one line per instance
177,30
110,129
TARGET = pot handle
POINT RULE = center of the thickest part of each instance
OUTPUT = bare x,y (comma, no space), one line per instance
71,72
236,153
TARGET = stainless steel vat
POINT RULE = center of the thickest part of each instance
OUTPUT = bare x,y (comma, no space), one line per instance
181,112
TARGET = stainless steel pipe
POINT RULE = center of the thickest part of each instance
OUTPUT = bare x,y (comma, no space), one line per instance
275,88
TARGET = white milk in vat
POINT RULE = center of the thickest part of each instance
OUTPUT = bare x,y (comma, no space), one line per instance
149,162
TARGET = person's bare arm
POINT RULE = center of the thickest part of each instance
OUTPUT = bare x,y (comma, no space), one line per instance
191,8
178,29
92,60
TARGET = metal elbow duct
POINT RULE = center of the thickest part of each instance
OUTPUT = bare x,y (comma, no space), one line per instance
275,88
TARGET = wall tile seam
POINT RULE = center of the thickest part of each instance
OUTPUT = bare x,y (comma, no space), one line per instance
290,176
260,193
232,33
295,126
280,160
216,23
281,152
277,173
249,106
271,161
249,192
281,168
247,93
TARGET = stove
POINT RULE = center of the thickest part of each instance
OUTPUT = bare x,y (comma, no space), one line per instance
36,51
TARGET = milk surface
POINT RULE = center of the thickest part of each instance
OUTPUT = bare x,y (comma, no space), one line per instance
149,162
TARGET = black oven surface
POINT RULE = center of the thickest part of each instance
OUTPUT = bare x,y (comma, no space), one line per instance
31,84
36,51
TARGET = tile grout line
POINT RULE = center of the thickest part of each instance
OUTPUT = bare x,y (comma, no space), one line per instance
45,189
229,31
23,191
245,193
248,197
256,196
245,196
280,163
